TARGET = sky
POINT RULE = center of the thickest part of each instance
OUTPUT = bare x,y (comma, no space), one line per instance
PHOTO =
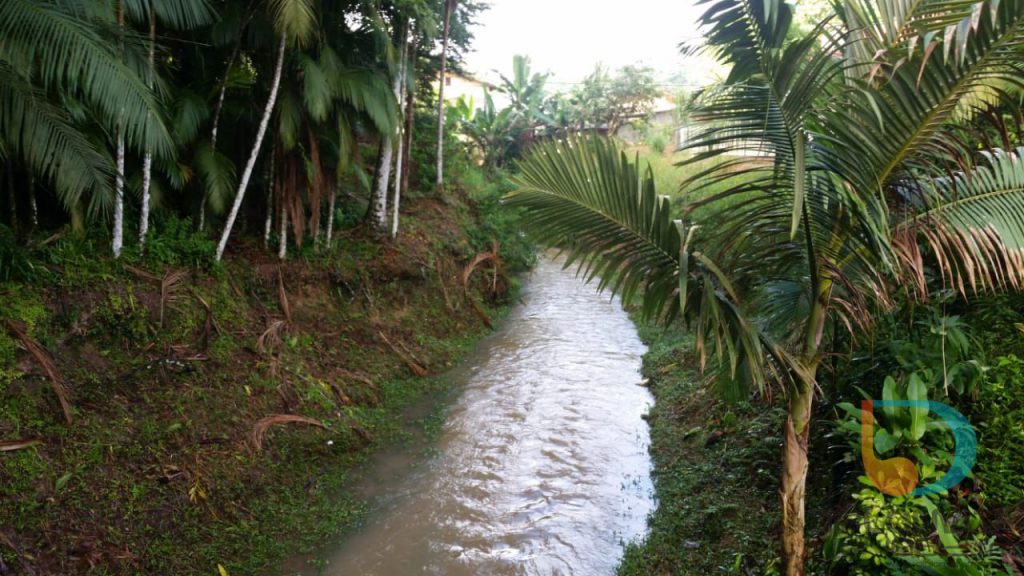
568,37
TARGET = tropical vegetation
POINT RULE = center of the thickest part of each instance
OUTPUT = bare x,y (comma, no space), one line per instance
221,214
183,107
843,172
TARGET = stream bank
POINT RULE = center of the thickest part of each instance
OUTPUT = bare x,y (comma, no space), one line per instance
171,369
541,464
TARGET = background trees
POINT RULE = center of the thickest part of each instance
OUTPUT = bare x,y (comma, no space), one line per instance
178,80
603,102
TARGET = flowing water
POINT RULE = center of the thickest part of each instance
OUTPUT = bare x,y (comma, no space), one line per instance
541,467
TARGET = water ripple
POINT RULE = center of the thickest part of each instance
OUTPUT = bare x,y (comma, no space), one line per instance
542,466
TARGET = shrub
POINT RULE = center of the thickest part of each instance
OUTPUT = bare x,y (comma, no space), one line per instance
999,417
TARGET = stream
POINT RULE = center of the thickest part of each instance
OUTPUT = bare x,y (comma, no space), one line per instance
541,466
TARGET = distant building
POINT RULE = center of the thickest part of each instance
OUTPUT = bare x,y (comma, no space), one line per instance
662,113
464,86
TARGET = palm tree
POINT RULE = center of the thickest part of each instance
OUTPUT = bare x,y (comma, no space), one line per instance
341,89
406,63
384,163
181,15
449,7
294,22
861,164
56,53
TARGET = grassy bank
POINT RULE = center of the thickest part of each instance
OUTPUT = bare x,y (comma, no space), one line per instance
716,479
169,368
715,471
715,463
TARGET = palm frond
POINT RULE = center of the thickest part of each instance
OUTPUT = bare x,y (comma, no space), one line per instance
44,137
188,113
587,198
763,110
51,44
885,129
217,173
295,19
317,89
367,91
177,14
973,224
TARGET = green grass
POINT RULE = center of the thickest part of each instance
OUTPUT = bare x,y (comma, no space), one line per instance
715,472
157,475
669,180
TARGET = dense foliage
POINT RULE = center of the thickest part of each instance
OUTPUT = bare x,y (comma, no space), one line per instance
111,109
837,178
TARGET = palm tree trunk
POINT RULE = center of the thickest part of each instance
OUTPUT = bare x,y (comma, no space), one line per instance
117,244
247,174
380,198
449,6
401,133
147,161
282,241
794,478
330,211
32,203
380,207
77,215
220,97
797,434
268,223
410,116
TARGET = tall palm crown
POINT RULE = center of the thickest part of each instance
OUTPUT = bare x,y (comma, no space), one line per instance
865,182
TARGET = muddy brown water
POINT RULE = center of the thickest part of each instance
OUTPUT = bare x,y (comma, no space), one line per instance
541,467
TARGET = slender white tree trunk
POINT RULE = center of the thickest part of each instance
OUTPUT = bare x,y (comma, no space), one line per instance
247,174
117,244
33,206
282,246
410,114
330,212
268,223
449,5
147,161
380,206
403,68
380,199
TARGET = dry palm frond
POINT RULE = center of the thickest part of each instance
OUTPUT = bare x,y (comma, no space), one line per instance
12,445
415,368
170,284
271,337
357,377
142,273
491,258
46,361
209,325
259,430
282,297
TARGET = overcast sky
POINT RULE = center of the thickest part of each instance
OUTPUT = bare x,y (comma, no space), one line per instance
567,37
